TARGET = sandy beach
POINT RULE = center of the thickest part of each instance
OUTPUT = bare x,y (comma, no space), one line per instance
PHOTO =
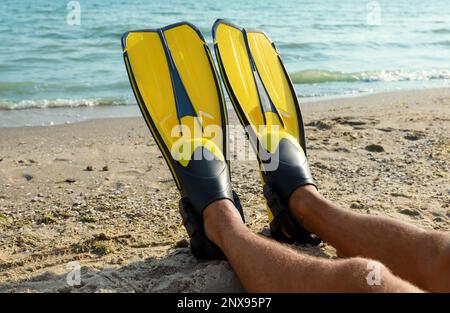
99,193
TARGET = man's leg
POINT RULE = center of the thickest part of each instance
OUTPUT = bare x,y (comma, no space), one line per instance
263,265
419,256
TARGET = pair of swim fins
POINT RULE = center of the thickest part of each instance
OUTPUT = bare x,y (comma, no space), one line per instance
178,89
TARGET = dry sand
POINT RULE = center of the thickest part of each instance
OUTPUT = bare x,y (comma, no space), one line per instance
99,193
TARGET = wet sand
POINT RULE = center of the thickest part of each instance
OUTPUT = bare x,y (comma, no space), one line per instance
100,194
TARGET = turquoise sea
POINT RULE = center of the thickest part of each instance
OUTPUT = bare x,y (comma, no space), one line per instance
54,72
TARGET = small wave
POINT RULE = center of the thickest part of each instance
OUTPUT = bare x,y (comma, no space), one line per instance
105,32
334,45
170,13
108,35
56,35
318,77
441,31
62,103
334,93
32,60
302,45
33,88
444,43
339,26
16,87
322,76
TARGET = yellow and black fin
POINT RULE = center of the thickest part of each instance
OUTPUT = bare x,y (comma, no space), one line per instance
175,83
264,99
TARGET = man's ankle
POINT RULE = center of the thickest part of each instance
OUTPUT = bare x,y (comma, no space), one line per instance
218,217
302,200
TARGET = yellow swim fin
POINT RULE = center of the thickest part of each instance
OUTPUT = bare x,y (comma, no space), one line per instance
264,99
175,83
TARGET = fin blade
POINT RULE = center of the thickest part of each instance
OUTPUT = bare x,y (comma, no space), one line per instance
147,59
173,79
237,70
275,81
278,104
192,62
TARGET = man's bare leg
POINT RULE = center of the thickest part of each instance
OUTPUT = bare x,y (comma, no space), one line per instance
419,256
263,265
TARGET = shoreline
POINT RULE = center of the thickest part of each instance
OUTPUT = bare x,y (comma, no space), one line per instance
61,114
99,193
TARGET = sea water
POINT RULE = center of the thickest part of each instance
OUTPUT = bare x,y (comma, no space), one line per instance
61,61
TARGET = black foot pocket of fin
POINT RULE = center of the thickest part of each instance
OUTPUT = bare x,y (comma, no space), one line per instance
283,227
202,248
